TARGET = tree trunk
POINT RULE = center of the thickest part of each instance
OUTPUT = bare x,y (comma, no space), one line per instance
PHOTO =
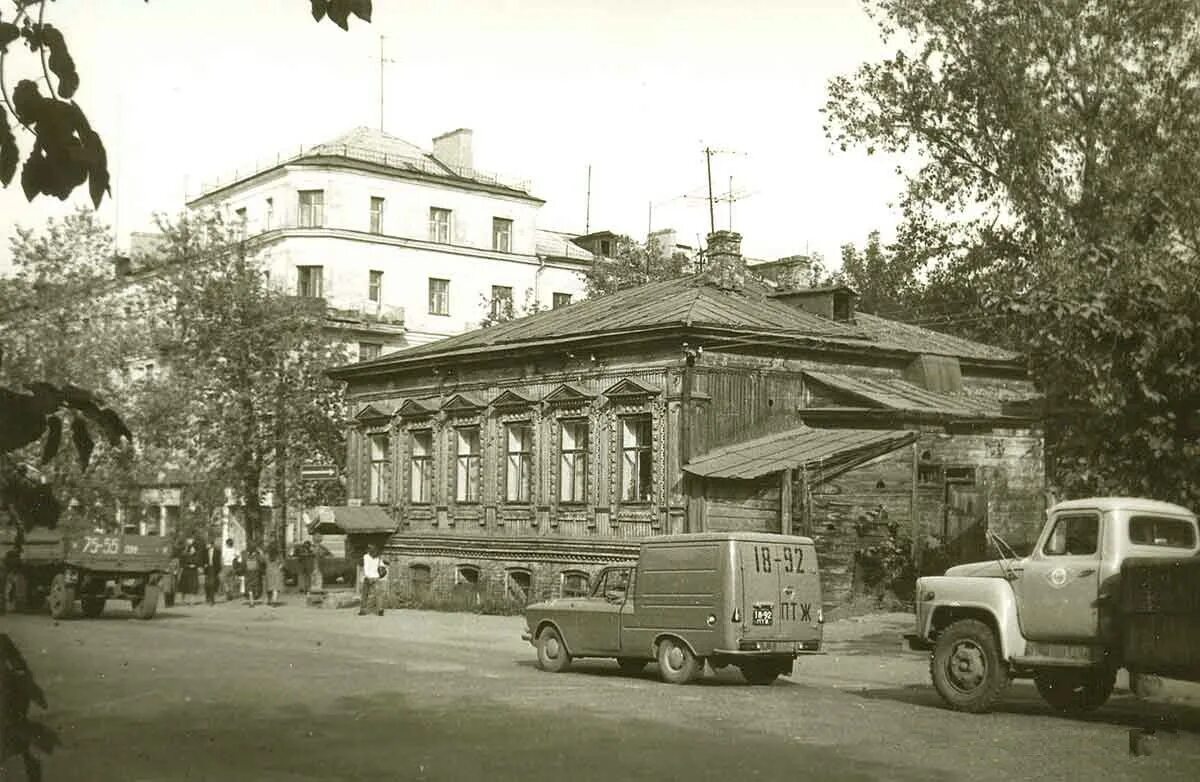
279,511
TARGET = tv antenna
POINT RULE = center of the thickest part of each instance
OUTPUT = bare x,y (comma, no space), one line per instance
730,197
708,153
383,62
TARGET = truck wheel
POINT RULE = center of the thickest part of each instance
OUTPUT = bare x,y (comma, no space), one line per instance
1075,691
552,652
759,673
92,606
16,592
966,667
676,663
631,666
61,598
146,607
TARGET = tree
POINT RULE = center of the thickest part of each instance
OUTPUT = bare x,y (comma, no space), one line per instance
1054,206
501,310
885,281
632,264
66,151
249,363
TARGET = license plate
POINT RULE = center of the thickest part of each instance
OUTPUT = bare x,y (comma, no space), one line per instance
763,615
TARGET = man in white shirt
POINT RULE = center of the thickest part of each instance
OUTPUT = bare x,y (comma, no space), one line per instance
228,556
374,568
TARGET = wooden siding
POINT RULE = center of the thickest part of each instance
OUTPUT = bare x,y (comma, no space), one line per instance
742,506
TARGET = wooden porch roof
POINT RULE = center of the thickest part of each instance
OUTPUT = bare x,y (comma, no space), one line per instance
825,452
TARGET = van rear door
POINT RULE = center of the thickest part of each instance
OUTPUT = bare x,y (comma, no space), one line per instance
781,589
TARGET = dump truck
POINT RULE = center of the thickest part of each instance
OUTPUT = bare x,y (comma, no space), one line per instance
80,572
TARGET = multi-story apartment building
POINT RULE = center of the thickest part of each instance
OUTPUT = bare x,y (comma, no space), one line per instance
406,246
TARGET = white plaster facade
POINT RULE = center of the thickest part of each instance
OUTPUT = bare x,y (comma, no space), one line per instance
376,198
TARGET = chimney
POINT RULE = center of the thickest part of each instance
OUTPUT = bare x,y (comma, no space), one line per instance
724,265
795,272
454,149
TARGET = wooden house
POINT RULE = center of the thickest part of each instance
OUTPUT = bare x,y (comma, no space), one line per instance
517,459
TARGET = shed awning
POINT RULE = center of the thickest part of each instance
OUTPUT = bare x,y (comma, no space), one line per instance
350,520
825,453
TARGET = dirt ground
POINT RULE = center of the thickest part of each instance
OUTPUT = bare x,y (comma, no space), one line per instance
295,693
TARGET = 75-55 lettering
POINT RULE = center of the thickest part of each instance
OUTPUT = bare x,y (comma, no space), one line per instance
793,557
93,544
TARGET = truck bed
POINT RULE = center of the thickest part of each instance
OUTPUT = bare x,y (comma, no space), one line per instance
1160,616
99,552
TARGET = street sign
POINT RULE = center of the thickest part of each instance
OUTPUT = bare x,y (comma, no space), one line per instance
318,472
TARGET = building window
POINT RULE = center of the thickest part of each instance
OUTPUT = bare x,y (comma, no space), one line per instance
502,234
605,247
575,584
502,302
421,489
376,215
309,282
270,218
466,474
466,574
439,296
518,586
439,225
561,299
369,351
312,208
240,214
381,467
375,285
517,467
636,459
572,468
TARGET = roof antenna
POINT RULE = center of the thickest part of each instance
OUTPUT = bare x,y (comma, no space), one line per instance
587,217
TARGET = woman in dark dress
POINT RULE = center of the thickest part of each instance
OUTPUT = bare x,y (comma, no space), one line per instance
189,571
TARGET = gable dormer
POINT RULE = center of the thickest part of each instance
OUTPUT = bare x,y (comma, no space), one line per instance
462,404
630,389
508,399
568,395
374,413
413,408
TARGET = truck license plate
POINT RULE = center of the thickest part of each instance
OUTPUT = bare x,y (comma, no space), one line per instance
764,615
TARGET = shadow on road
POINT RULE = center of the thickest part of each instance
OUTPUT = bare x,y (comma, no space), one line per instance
20,736
1124,710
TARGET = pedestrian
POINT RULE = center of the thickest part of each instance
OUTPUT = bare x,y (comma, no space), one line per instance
274,574
189,571
210,560
304,565
229,561
374,569
253,563
318,578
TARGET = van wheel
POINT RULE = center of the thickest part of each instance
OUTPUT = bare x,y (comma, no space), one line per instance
966,667
16,592
676,663
631,666
92,606
552,652
1074,691
759,673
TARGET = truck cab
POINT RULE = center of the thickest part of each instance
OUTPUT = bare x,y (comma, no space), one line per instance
1051,616
751,600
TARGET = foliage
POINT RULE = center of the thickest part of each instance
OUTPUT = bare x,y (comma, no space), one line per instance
247,364
885,282
1052,209
502,310
633,263
66,151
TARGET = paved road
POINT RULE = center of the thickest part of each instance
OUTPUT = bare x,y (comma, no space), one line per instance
236,693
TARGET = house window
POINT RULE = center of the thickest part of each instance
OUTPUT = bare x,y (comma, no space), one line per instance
605,247
240,214
466,474
961,475
502,302
439,296
575,583
270,218
374,285
572,468
376,215
312,208
502,234
309,282
561,299
466,574
518,586
636,459
369,351
421,488
517,467
380,469
439,225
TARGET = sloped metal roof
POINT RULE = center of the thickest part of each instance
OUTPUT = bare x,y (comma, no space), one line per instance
824,451
349,519
905,336
557,244
896,394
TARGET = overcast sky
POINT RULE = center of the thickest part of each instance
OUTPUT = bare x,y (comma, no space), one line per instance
185,91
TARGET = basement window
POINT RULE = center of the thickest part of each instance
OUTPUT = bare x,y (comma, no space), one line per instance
961,475
929,474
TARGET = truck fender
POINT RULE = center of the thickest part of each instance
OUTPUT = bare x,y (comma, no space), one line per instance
989,600
658,639
542,625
